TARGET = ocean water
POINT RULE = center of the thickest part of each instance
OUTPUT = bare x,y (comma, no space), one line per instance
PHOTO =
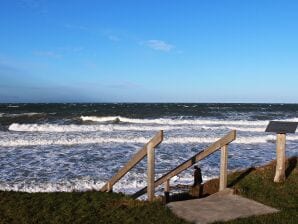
78,147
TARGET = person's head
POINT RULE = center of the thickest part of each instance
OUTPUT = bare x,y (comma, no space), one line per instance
196,167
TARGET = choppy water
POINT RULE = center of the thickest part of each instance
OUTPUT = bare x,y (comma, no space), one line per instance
67,147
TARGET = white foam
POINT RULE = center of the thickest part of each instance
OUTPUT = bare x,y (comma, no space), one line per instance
79,185
110,127
248,129
58,128
85,128
129,184
64,140
23,114
177,121
79,140
238,128
239,140
99,119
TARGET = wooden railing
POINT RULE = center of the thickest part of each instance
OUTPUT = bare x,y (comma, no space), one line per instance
221,144
149,150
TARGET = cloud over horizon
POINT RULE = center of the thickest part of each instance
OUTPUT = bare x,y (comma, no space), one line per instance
159,45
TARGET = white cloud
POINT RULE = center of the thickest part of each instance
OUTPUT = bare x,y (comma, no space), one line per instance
50,54
159,45
113,38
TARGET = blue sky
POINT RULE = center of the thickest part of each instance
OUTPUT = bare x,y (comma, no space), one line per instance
149,51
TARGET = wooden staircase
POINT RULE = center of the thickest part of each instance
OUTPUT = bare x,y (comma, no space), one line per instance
149,150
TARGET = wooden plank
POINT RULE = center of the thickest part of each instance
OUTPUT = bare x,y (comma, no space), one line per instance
231,136
150,171
280,175
223,168
167,186
155,141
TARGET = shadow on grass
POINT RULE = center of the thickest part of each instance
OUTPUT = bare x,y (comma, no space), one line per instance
192,193
212,186
180,197
292,163
241,176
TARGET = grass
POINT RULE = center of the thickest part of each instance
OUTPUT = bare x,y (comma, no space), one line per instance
87,207
257,184
97,207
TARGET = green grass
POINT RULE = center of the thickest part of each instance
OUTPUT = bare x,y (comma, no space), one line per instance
97,207
87,207
258,185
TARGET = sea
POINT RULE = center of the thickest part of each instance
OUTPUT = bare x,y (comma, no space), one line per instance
78,147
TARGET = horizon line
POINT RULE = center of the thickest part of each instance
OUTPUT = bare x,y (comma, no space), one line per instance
149,102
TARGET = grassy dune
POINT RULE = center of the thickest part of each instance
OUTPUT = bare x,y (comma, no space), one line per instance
96,207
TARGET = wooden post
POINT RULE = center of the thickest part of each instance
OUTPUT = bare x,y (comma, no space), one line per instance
110,187
167,185
223,168
167,190
150,171
280,158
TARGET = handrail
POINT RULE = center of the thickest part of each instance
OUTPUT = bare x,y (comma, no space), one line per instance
221,143
154,142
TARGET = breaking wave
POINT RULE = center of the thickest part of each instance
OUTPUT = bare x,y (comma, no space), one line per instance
84,128
79,140
23,114
176,121
110,127
170,121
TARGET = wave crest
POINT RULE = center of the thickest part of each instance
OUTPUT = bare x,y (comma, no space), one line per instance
172,121
79,140
109,128
84,128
